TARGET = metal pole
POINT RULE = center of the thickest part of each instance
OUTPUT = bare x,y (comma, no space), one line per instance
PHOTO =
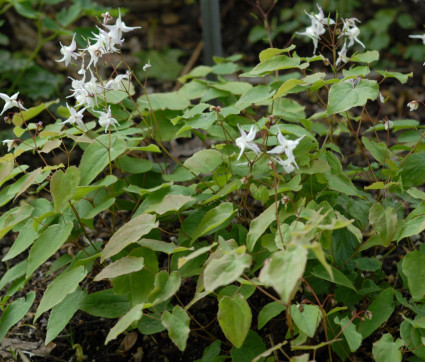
211,32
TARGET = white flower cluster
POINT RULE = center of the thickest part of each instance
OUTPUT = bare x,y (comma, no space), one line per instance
349,30
286,147
86,92
317,28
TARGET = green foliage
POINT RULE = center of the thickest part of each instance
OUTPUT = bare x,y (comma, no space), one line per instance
269,221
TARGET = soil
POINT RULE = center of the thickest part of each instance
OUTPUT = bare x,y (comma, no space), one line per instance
177,24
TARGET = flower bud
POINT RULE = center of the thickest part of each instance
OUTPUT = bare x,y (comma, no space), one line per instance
413,105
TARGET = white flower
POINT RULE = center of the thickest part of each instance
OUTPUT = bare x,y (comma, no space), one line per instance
93,87
146,67
342,55
381,98
105,119
287,164
118,82
413,105
317,27
246,141
95,50
9,144
320,17
75,116
10,102
106,41
388,124
287,147
351,31
312,33
120,26
422,37
68,52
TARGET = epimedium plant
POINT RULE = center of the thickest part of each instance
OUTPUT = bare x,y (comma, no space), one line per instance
269,204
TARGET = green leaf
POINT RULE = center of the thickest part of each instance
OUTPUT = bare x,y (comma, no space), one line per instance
368,264
14,312
66,16
359,71
47,244
59,288
379,151
29,180
211,353
198,72
270,65
177,325
129,233
386,350
125,265
413,338
381,309
226,269
353,338
306,317
25,9
133,165
283,271
384,221
341,183
84,190
150,324
402,78
105,304
214,220
204,161
343,96
160,101
259,225
412,171
165,286
271,52
162,246
96,157
184,259
268,312
149,148
338,277
13,217
134,314
170,202
225,68
411,227
289,84
254,95
117,96
237,88
6,168
414,268
63,186
366,57
14,273
62,313
91,210
251,349
234,316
